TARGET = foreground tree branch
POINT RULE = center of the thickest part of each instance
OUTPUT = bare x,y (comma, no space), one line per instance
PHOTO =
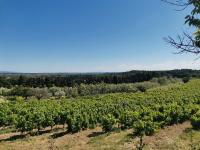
185,44
182,4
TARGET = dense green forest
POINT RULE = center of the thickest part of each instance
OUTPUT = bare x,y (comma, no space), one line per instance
71,80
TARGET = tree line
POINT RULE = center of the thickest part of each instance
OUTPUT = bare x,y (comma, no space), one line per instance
84,89
70,80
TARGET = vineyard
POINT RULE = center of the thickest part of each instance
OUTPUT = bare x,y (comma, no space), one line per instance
145,112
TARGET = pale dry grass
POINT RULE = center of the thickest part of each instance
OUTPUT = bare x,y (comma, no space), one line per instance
174,137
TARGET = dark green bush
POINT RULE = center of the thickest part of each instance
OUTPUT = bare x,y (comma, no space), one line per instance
108,122
186,79
142,88
128,118
195,121
147,127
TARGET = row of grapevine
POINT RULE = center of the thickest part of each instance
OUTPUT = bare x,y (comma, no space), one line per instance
145,112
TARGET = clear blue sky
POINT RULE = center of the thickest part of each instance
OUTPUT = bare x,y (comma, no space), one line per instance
89,35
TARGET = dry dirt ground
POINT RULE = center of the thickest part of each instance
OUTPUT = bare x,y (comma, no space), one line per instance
95,139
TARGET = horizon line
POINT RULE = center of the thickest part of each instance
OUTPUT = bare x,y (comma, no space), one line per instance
92,72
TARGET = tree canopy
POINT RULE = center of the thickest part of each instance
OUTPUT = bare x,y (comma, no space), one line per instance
187,42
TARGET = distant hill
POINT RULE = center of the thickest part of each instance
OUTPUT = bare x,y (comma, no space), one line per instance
9,79
6,72
170,72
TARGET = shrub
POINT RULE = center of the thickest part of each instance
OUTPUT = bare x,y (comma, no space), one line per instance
39,93
163,80
147,127
195,120
186,79
108,122
4,91
142,88
128,118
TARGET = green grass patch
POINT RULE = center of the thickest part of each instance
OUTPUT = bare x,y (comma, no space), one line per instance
7,130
